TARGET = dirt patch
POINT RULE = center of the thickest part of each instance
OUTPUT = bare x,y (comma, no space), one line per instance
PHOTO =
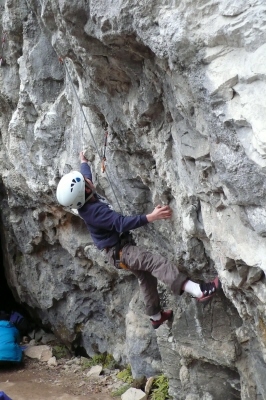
35,380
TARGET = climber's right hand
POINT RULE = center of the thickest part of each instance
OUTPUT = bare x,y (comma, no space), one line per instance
160,212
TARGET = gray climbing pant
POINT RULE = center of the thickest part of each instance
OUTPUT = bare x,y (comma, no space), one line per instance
149,267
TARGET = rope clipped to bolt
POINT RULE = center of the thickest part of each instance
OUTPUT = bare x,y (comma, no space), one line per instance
103,158
104,151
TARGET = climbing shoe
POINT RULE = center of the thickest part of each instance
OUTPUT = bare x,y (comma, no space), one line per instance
208,290
165,316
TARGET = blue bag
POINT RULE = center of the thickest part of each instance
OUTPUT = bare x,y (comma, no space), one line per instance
16,318
3,396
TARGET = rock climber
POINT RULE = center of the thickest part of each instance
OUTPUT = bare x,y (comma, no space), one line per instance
110,232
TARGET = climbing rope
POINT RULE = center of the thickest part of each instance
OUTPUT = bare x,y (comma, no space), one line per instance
86,121
82,135
76,95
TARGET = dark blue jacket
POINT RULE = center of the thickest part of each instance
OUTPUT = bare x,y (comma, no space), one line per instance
103,223
9,342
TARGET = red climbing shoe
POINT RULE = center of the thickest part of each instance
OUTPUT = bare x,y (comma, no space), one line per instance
208,290
165,316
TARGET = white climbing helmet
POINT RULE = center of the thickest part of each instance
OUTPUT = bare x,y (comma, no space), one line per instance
71,190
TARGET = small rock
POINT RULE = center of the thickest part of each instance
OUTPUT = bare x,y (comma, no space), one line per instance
39,334
75,370
242,334
134,394
48,337
95,371
77,360
148,385
42,353
52,362
31,334
69,362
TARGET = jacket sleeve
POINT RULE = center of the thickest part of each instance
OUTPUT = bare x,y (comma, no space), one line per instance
105,218
85,170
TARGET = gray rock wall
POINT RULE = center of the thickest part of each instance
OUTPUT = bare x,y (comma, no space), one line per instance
180,86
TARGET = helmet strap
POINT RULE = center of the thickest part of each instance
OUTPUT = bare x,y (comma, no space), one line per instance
90,196
93,191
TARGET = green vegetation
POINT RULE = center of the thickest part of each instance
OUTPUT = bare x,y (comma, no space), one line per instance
60,351
125,375
160,388
106,360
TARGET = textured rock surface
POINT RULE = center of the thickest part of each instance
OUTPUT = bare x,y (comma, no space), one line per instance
180,86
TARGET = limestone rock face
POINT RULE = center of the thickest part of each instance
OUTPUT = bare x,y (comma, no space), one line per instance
180,86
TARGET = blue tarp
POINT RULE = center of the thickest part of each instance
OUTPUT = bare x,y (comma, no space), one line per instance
3,396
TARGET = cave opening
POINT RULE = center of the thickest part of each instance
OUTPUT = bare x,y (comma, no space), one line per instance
8,302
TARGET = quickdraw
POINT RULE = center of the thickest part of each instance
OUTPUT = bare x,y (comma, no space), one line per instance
104,151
